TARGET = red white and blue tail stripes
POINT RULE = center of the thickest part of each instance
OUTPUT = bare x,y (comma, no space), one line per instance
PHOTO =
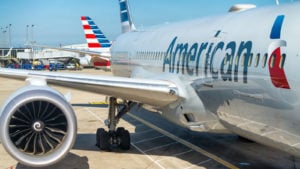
94,36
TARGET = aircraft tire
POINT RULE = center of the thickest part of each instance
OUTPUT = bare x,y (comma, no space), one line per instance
120,130
99,130
125,139
103,139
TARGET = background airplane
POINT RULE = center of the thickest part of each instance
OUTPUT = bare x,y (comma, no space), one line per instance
232,73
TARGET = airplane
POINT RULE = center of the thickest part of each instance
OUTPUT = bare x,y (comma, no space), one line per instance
235,73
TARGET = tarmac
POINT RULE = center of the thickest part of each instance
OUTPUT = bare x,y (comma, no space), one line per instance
156,143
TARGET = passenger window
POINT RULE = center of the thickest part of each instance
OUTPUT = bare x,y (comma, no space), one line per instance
162,56
153,55
231,60
282,61
144,53
225,60
272,63
257,60
149,55
236,60
243,59
250,60
159,55
264,60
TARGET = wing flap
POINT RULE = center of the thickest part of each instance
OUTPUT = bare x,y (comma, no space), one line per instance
153,92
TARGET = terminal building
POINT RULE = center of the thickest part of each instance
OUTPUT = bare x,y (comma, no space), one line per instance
8,55
47,55
4,51
28,55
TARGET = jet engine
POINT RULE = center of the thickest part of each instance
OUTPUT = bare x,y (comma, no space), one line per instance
37,126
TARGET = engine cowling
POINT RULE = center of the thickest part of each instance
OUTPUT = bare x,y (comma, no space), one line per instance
38,126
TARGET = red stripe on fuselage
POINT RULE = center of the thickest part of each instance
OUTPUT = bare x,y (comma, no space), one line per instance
102,63
277,74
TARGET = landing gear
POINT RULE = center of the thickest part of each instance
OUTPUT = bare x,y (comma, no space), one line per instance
119,137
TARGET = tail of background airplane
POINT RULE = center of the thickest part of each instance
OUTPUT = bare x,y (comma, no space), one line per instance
126,20
94,36
97,41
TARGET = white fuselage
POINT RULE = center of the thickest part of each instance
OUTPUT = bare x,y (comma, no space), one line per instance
239,71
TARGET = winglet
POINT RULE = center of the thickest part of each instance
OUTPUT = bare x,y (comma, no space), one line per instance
94,36
126,20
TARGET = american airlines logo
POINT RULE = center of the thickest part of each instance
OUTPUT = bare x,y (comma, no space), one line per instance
277,73
185,58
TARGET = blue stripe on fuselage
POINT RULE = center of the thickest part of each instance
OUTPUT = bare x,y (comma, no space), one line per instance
276,29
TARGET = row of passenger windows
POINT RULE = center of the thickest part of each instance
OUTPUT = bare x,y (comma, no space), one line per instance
258,58
150,55
155,56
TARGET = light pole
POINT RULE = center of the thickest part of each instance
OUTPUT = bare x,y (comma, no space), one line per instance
4,37
32,43
9,35
27,36
32,39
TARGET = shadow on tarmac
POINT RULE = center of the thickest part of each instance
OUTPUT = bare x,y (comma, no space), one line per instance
71,161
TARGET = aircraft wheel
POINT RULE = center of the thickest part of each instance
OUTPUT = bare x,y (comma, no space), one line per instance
99,130
120,130
124,138
103,139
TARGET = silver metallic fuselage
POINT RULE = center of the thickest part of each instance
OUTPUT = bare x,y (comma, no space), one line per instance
218,64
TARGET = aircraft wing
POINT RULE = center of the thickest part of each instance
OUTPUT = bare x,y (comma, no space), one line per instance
88,52
153,92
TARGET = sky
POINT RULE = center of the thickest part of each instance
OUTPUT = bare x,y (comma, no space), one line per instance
57,22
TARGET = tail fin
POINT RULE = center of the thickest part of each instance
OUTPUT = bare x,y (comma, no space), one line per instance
95,38
126,20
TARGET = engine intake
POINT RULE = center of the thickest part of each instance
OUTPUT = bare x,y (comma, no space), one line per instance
38,126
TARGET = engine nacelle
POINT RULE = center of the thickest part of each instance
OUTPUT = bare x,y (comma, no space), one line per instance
38,126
